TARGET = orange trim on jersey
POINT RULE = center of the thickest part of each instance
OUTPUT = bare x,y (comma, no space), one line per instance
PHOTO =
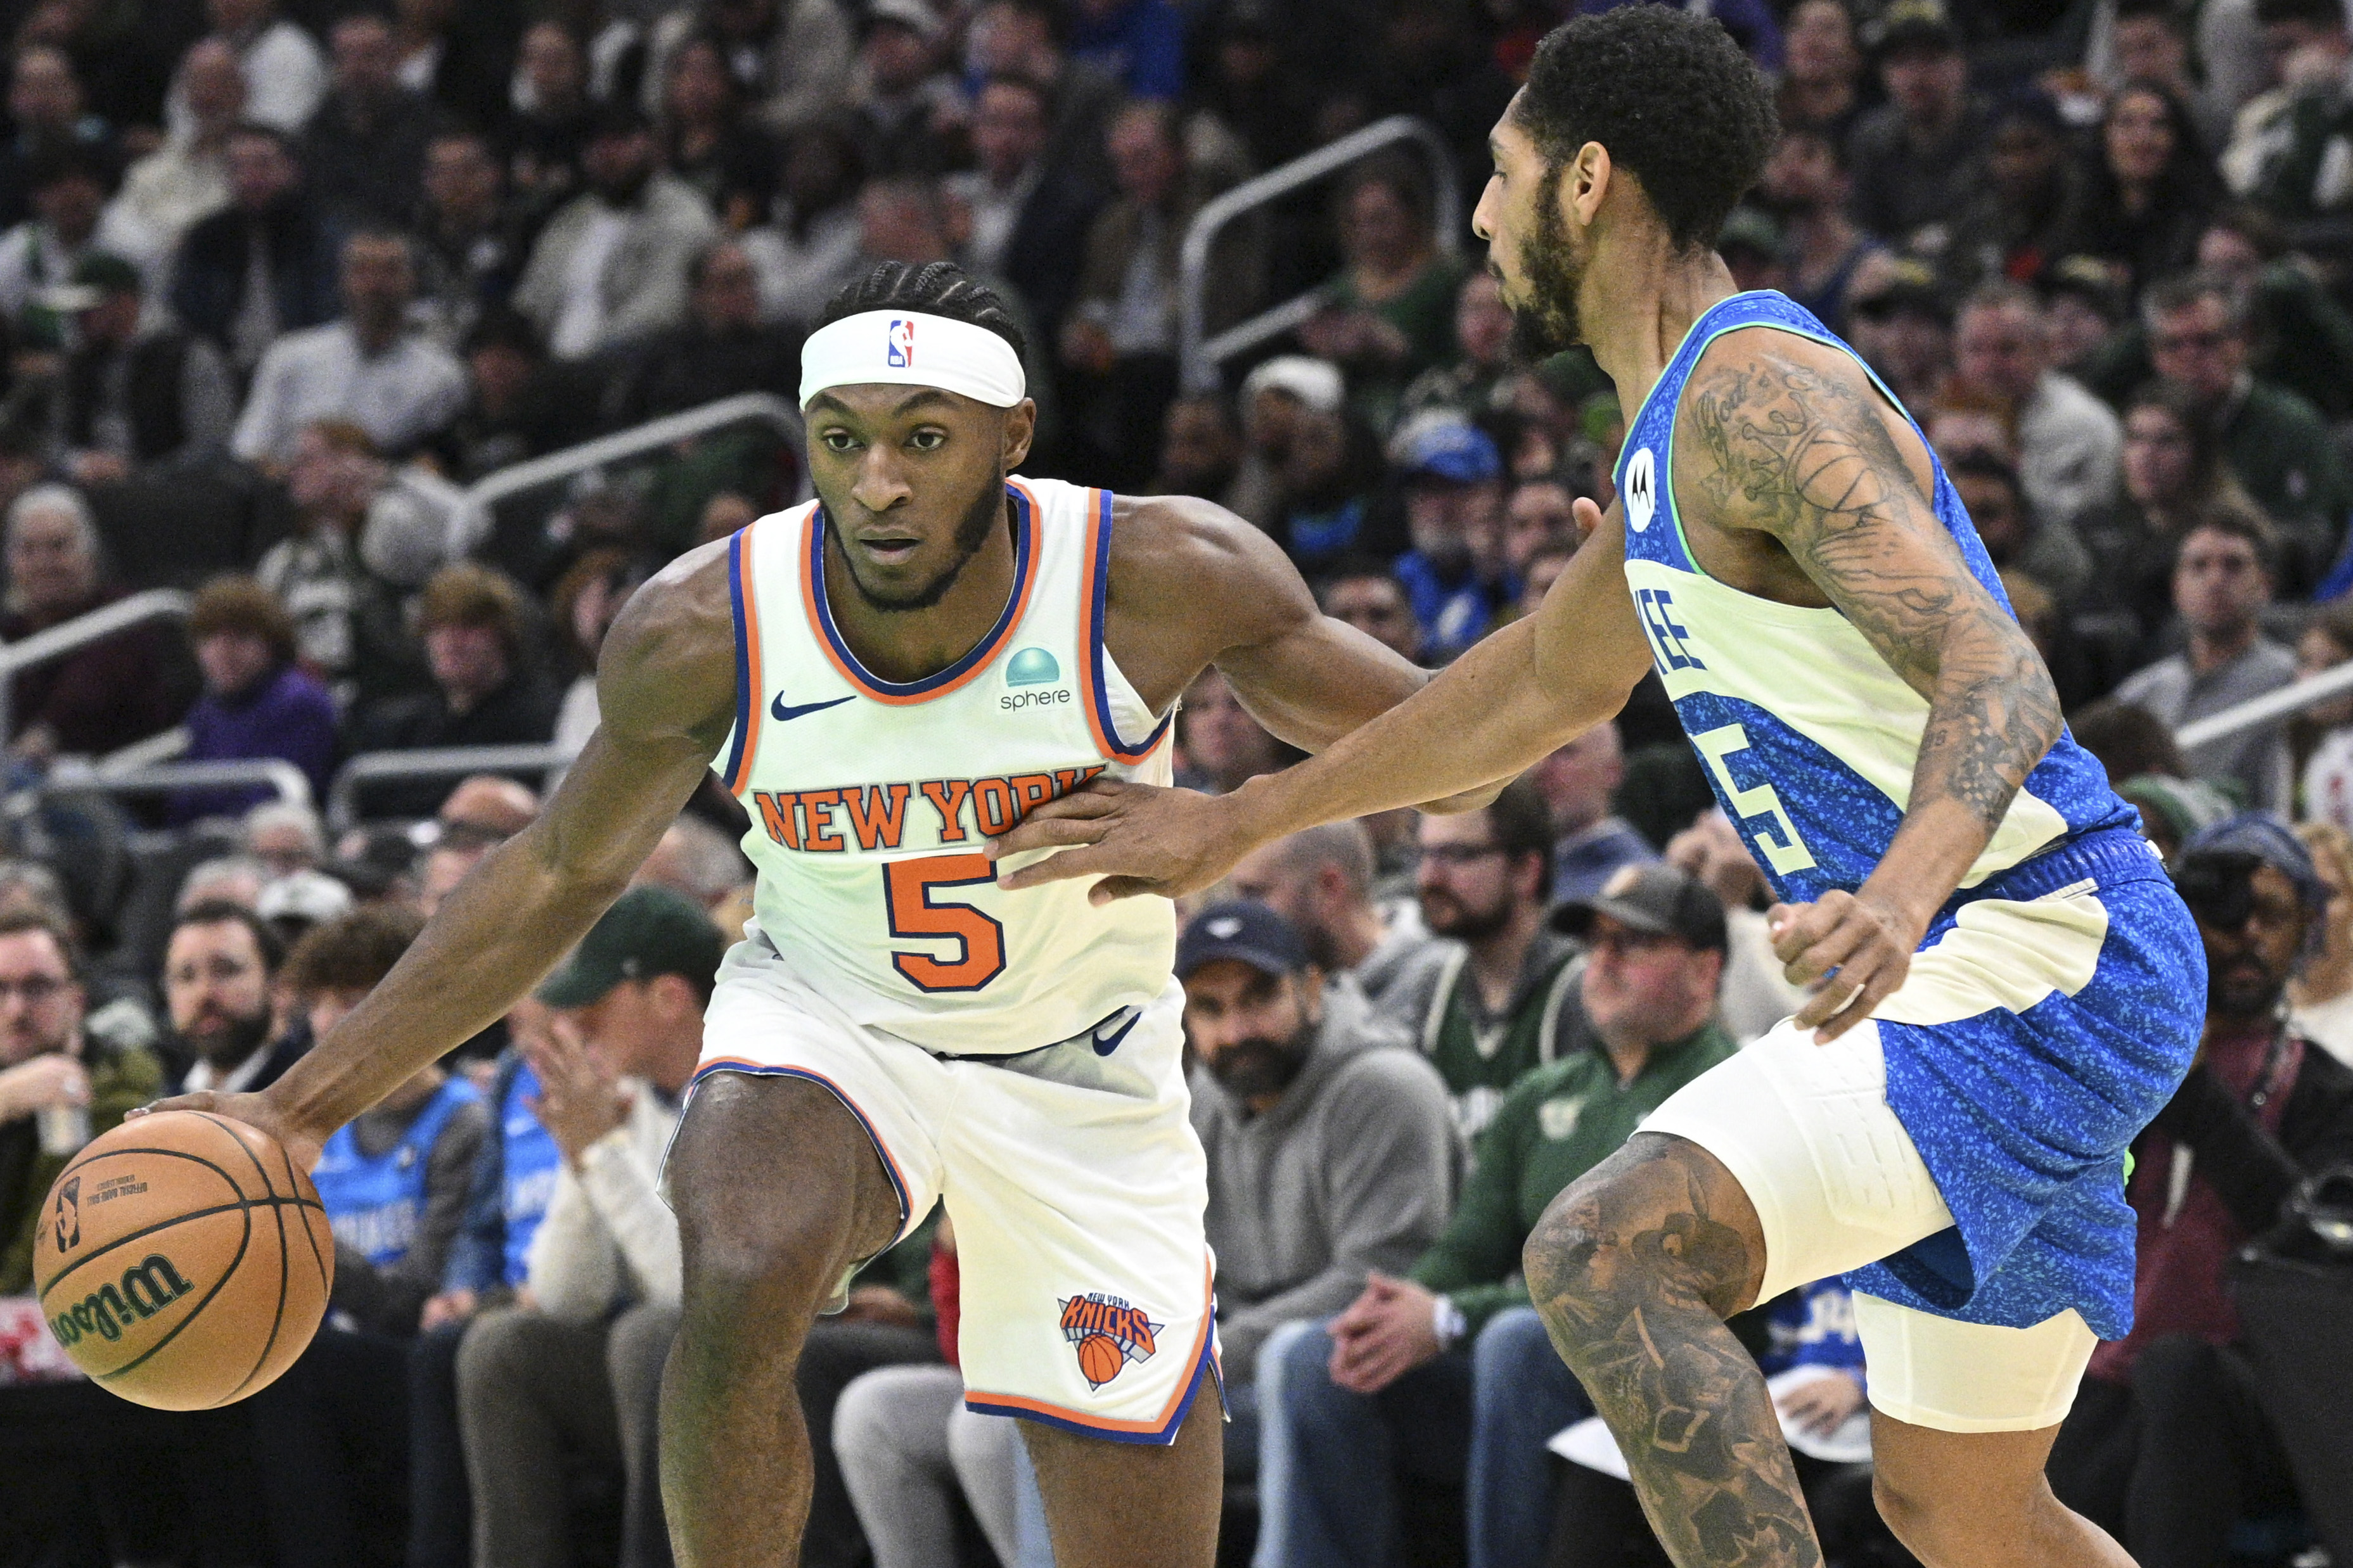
1094,587
899,694
1152,1427
749,675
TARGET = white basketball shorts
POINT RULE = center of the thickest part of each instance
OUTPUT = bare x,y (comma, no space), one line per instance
1072,1176
1837,1184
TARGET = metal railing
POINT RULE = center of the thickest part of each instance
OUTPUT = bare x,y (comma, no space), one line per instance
163,747
55,642
432,763
1201,354
158,778
748,407
2269,708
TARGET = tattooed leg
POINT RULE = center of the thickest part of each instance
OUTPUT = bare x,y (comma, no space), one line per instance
1634,1269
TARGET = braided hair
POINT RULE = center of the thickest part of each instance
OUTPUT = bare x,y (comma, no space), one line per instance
934,288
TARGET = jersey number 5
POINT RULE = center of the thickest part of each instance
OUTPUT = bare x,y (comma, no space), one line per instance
1778,839
907,888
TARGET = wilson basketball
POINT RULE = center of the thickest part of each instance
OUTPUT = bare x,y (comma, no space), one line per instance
1099,1359
183,1261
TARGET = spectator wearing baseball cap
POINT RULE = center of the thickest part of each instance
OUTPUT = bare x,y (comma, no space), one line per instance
1915,159
2168,1439
579,1370
1452,480
1449,1371
1274,397
130,394
1331,1147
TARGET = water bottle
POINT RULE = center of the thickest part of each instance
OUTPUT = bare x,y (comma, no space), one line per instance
64,1128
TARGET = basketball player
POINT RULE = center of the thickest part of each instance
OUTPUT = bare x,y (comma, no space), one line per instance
886,676
2005,987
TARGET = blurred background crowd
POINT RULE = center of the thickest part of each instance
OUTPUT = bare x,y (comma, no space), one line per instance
290,290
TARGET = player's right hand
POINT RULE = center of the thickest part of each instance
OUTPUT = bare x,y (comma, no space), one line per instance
1139,839
1851,951
258,1112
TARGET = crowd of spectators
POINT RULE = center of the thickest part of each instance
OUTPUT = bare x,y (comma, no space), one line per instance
278,280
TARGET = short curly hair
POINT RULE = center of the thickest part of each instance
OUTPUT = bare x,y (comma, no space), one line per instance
1672,98
354,951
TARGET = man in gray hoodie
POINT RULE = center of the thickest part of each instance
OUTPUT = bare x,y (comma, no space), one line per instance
1331,1143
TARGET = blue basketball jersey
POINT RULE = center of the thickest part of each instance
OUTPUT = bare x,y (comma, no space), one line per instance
1807,735
532,1165
374,1203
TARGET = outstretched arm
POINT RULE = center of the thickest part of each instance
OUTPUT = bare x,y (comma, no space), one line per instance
1512,699
1788,437
666,687
1194,585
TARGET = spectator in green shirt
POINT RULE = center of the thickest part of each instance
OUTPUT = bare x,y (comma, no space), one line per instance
59,1086
1446,1378
2276,442
1388,314
1491,1002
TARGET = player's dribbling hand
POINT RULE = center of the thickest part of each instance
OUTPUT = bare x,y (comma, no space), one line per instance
1850,951
1139,839
258,1112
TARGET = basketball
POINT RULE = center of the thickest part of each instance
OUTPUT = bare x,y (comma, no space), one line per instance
1099,1359
183,1261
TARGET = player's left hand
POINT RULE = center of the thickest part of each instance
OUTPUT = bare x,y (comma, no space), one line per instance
1139,839
1851,950
1385,1333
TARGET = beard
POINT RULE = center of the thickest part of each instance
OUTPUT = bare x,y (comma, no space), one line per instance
2238,990
1547,323
1256,1066
236,1038
1447,915
972,532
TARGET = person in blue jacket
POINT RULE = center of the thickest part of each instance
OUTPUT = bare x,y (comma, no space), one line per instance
331,1435
514,1175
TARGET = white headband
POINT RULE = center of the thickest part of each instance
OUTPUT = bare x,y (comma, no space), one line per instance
908,348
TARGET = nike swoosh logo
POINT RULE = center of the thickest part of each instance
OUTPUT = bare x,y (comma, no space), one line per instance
784,713
1105,1044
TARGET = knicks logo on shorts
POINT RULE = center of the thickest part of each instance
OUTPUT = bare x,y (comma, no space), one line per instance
1107,1333
898,351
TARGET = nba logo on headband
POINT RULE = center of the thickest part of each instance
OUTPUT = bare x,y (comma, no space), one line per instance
958,357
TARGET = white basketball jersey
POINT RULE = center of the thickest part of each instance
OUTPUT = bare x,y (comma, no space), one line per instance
871,800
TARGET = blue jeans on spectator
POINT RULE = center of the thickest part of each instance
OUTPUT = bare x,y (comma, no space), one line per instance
1329,1460
1520,1393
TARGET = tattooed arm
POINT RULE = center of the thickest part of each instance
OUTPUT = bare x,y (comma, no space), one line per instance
1788,439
